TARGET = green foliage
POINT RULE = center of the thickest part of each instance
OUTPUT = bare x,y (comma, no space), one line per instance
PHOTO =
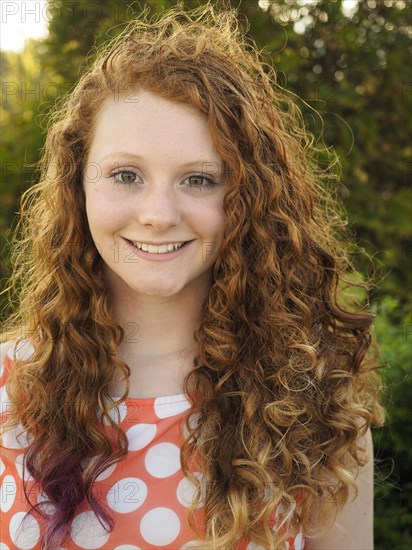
70,37
393,511
22,76
28,89
355,72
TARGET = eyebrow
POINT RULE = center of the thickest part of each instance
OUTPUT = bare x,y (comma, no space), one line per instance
117,154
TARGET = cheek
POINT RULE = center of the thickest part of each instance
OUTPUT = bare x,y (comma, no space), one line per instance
103,214
210,219
210,225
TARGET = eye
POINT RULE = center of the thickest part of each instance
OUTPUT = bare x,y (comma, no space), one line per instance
201,182
126,177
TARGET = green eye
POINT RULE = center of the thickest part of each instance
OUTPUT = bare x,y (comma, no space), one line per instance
200,181
125,176
196,180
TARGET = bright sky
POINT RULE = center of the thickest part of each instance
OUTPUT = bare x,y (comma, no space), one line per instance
22,19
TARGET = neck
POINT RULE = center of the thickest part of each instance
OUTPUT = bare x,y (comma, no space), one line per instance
159,345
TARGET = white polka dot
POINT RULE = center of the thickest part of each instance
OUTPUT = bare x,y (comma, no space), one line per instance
24,350
20,465
10,351
280,510
1,369
8,492
87,532
299,541
254,546
4,546
269,494
87,462
169,522
193,422
127,547
46,507
106,473
11,441
127,495
166,406
24,533
140,435
5,403
192,544
186,491
117,414
2,467
163,460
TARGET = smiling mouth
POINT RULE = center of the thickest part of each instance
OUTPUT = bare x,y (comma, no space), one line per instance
158,249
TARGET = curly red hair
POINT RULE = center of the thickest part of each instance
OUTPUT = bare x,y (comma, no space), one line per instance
286,386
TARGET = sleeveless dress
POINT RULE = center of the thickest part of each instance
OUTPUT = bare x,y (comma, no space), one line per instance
146,493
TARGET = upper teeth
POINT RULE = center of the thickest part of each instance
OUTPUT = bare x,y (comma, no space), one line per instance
154,249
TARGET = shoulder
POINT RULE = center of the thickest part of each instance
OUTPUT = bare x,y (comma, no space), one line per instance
353,529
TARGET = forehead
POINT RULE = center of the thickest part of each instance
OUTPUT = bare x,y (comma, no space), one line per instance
147,122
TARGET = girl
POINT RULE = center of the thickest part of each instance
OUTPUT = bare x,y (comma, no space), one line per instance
184,368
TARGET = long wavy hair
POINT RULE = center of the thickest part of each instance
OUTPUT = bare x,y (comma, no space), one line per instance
285,368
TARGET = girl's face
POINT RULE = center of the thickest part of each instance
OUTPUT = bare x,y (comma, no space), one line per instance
154,195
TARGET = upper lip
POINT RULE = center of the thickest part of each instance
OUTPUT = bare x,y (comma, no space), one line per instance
154,243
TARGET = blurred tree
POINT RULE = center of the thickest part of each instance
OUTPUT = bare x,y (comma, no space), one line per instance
354,69
76,28
393,452
26,92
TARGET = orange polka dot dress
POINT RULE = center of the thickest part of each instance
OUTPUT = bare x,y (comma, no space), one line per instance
146,493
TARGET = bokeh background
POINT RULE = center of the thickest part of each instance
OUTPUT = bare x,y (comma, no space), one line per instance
345,60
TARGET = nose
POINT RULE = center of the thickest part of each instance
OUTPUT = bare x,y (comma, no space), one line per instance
158,207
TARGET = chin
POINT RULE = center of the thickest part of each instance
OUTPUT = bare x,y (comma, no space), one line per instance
158,291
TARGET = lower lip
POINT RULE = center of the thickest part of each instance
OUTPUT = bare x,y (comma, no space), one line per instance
157,257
